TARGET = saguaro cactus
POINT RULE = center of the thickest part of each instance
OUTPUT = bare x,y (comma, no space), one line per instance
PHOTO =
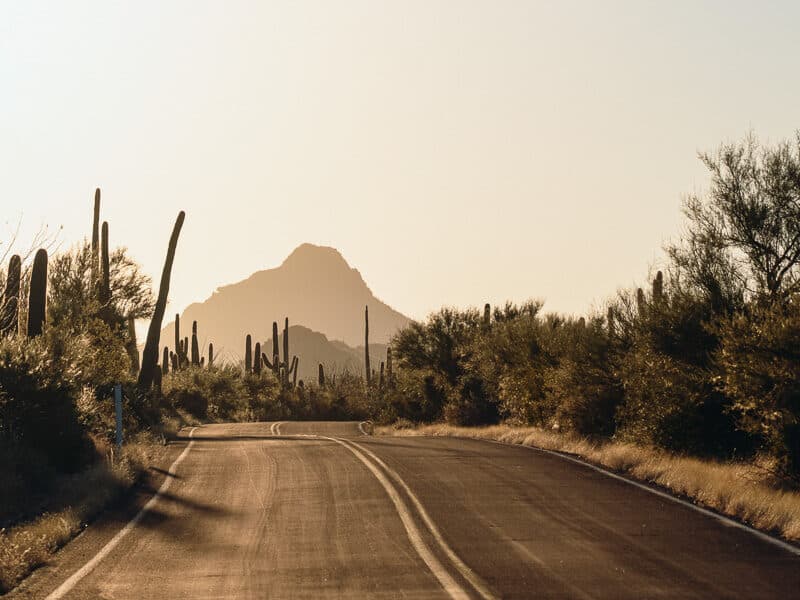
366,345
195,346
610,319
178,335
389,371
287,366
248,354
105,275
133,350
641,303
9,316
157,378
210,355
174,360
95,239
295,368
165,361
321,376
150,355
257,359
658,287
487,314
381,381
38,294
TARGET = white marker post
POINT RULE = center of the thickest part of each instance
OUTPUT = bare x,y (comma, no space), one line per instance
118,409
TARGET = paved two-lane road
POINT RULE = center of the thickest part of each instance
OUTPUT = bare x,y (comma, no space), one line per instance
318,510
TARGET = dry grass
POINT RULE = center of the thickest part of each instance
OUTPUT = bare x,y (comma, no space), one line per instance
26,546
739,490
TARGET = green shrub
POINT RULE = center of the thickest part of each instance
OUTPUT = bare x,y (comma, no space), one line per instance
759,357
37,405
222,393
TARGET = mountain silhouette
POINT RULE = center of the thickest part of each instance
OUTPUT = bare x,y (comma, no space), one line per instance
313,287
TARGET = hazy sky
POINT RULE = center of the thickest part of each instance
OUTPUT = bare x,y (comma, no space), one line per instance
455,152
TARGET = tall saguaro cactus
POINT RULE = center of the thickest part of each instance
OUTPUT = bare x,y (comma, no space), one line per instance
165,361
658,288
95,239
178,338
276,362
9,317
248,354
195,346
487,314
105,275
321,376
286,365
366,346
257,359
210,355
38,294
150,354
133,350
389,371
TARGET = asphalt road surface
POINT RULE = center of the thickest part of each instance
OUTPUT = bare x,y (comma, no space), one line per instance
320,510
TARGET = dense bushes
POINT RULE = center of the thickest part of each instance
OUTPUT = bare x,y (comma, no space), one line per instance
706,362
759,360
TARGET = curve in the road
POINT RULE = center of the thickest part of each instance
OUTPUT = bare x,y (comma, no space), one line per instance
468,574
451,586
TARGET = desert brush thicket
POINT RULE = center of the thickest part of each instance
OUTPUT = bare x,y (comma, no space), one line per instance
704,361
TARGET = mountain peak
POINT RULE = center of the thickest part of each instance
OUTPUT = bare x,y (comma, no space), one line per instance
314,287
312,256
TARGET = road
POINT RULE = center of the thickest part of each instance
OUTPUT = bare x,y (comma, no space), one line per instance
319,510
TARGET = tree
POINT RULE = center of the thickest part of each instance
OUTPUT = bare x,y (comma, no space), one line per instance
743,238
73,299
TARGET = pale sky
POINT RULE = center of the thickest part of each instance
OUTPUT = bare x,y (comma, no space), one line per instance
455,152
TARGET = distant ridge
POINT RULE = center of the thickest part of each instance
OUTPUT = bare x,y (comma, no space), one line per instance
314,287
313,349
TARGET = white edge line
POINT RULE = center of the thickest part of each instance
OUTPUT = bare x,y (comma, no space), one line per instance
415,537
468,573
76,577
724,519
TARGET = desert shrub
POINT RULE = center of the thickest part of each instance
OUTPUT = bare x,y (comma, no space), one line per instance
672,398
434,373
222,393
37,404
40,432
586,385
759,358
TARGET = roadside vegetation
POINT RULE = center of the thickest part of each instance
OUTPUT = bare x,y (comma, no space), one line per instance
703,361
